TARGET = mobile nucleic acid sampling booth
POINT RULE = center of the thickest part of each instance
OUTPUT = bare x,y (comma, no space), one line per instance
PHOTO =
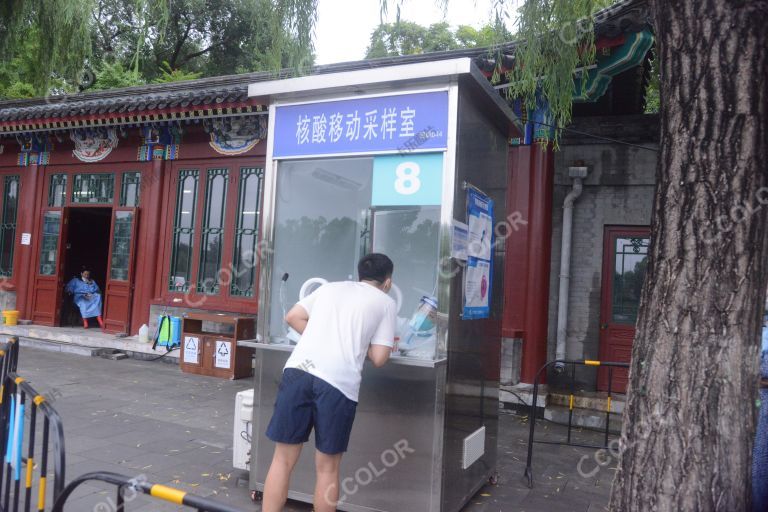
410,161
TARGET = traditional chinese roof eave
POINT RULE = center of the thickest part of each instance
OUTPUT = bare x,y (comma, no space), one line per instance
176,114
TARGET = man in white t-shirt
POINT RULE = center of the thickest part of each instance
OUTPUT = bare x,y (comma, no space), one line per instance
340,324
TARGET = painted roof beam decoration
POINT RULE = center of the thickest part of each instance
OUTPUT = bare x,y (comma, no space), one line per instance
539,126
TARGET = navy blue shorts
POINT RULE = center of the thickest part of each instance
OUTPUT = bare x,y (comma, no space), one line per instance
305,402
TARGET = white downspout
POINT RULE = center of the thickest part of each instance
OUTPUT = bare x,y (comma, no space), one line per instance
577,173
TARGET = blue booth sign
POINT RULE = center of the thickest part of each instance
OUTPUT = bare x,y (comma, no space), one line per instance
402,123
407,180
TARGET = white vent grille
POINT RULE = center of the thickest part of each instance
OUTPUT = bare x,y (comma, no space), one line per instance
474,447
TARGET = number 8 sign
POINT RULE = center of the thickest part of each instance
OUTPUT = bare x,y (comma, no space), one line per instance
404,180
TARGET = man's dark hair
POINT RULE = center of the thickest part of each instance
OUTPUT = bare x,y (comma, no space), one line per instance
375,267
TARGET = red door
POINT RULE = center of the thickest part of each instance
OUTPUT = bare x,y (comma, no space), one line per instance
118,290
49,274
625,257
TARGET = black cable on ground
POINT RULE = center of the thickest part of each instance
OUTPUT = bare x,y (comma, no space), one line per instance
161,355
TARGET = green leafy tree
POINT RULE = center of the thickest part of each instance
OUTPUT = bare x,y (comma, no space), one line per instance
487,36
58,32
114,75
408,38
76,39
169,74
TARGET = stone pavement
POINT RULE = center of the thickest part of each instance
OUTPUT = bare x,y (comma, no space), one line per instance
147,418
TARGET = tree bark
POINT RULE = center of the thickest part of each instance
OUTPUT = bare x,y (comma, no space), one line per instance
689,421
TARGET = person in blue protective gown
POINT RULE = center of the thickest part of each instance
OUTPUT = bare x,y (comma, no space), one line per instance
760,454
87,297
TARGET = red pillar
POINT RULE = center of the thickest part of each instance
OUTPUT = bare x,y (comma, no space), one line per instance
528,255
149,243
516,249
28,219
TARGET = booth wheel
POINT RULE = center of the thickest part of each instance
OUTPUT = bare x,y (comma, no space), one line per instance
256,495
494,478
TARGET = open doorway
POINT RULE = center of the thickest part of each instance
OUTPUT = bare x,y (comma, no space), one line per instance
86,246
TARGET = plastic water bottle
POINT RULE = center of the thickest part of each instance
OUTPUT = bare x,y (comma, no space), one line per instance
144,333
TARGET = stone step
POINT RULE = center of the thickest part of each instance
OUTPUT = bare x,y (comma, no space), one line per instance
85,342
587,418
595,400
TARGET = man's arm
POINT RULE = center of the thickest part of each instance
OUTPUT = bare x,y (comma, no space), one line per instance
379,354
297,318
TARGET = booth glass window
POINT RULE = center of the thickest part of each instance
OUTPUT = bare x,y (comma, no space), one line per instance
409,235
183,231
8,226
49,242
244,257
321,215
325,221
129,189
212,231
93,188
57,190
121,245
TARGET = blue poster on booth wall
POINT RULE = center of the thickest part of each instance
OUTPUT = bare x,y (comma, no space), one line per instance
478,274
407,180
404,123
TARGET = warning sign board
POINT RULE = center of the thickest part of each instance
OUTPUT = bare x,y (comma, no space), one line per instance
223,354
191,349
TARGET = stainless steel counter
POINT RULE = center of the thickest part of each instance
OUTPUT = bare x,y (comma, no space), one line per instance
395,359
397,439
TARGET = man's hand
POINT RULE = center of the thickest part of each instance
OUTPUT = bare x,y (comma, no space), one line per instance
297,318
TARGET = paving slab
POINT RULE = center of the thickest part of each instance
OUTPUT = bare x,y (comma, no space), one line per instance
147,418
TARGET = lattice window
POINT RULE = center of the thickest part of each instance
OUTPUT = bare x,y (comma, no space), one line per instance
630,262
49,244
212,231
121,246
8,226
57,190
93,188
183,231
130,189
245,257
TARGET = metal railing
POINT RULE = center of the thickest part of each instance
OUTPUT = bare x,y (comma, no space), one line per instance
21,410
157,491
532,419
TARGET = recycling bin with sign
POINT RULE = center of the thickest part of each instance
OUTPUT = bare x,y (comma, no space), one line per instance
410,161
209,345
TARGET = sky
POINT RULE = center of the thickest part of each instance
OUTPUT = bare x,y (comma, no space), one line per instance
344,26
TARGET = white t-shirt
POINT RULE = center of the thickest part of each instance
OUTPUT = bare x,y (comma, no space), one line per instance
344,319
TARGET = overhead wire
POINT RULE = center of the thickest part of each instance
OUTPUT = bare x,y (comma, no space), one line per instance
594,136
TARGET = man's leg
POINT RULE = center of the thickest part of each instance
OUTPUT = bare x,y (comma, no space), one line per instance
279,476
327,486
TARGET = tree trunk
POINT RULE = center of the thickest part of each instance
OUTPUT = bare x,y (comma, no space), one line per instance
689,421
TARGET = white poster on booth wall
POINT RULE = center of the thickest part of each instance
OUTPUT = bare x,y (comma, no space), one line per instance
191,349
26,238
459,240
223,354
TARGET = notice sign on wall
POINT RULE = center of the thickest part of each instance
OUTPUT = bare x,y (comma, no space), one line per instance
223,354
26,238
191,349
479,270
